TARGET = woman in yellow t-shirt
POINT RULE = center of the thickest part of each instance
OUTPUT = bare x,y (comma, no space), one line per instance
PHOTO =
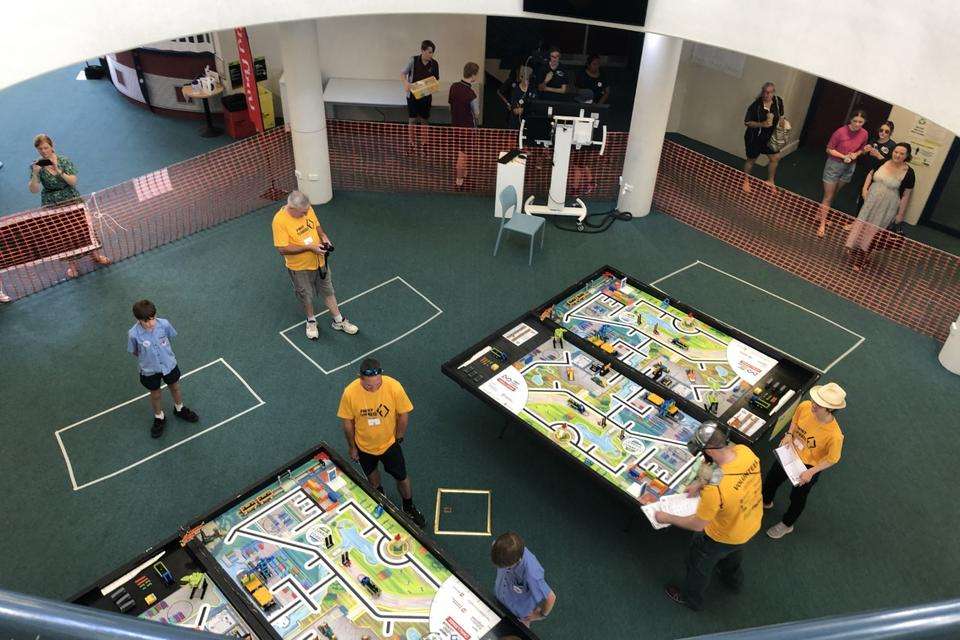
816,436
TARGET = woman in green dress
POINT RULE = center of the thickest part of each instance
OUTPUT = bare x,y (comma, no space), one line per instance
54,177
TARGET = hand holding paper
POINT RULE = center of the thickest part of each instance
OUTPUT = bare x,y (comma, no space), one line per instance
677,504
791,462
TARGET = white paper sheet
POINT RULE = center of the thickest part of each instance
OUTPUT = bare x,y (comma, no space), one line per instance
678,504
792,464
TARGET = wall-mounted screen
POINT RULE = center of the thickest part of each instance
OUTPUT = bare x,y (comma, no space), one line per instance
621,12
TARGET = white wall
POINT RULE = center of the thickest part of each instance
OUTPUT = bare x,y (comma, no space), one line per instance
377,47
708,104
822,37
930,134
371,47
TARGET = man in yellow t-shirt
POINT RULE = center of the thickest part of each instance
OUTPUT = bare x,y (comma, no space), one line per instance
300,239
727,517
376,411
816,436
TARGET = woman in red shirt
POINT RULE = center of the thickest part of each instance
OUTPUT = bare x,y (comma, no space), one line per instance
845,146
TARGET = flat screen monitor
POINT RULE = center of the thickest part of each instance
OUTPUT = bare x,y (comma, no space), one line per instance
632,12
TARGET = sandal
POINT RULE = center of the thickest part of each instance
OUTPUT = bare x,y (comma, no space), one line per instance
99,258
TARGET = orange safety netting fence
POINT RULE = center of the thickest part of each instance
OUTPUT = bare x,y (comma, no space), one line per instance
36,247
906,281
383,156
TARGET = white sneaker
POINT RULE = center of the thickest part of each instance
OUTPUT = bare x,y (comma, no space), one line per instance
4,297
312,331
345,325
779,530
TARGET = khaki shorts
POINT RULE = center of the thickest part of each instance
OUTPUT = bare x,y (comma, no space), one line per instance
308,284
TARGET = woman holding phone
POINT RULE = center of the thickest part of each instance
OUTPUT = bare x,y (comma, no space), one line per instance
54,177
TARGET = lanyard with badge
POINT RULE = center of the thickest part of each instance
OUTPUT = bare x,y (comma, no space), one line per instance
518,584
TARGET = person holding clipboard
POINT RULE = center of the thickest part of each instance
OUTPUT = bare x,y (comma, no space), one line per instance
818,440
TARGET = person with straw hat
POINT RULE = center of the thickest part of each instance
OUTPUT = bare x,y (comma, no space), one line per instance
816,436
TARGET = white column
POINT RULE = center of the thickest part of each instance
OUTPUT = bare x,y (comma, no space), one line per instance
300,50
651,110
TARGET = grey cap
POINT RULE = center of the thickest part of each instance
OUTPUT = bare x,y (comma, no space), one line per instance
709,435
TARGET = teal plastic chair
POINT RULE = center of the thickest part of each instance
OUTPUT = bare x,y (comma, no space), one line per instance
521,223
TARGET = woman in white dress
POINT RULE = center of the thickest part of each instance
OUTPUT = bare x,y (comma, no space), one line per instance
886,194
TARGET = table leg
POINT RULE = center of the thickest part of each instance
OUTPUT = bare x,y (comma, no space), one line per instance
209,131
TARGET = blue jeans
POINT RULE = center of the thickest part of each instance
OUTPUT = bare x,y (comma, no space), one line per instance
704,556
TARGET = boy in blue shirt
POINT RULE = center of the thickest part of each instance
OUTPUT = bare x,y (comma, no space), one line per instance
149,341
520,585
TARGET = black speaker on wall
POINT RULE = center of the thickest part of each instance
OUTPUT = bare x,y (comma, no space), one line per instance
633,12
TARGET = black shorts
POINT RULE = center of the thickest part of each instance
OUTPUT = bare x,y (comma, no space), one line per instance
419,108
755,145
152,382
392,459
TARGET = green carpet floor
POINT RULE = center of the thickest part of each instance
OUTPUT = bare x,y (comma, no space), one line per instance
109,138
877,531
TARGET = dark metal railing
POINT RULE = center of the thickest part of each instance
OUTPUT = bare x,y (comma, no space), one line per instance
940,620
24,617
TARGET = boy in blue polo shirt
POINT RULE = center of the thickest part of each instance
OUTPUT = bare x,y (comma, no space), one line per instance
520,585
149,341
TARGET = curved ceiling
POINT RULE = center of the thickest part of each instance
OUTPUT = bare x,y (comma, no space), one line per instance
895,51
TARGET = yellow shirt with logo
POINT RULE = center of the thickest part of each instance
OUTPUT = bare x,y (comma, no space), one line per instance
300,232
374,413
815,441
733,506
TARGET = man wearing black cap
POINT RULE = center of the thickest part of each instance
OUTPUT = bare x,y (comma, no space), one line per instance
727,517
376,411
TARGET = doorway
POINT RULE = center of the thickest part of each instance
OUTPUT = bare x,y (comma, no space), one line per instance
831,105
942,211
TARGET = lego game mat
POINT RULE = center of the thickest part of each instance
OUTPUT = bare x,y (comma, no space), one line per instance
319,557
631,437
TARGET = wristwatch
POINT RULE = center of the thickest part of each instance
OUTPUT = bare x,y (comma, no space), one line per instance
399,440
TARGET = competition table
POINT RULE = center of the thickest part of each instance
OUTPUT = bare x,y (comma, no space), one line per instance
310,551
632,377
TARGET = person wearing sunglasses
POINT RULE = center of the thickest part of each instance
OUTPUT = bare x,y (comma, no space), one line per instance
728,516
375,411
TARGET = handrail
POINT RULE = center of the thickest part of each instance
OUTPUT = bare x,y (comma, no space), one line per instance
935,620
23,616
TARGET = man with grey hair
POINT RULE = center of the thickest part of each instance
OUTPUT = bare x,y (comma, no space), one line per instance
301,241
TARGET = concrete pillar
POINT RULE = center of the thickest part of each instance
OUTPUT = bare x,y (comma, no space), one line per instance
651,109
300,51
